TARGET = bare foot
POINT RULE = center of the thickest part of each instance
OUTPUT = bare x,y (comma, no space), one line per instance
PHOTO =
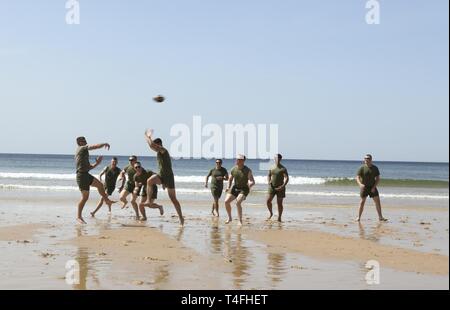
161,210
228,221
240,224
110,202
92,214
280,221
181,221
270,217
81,221
358,219
143,219
383,219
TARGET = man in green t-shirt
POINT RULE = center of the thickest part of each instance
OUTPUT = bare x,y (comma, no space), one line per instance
127,187
368,178
243,182
278,179
111,174
166,177
84,179
217,175
140,179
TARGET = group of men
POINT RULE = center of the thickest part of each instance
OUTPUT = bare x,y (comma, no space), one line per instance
139,182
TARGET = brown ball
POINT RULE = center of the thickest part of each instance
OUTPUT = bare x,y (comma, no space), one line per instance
159,98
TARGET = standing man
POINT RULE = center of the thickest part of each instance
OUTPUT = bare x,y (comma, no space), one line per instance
84,179
129,172
166,178
278,179
111,173
368,178
218,174
140,179
243,182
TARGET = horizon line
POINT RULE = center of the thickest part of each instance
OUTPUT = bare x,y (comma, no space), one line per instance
191,158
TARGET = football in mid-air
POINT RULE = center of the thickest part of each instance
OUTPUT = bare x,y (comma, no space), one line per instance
159,98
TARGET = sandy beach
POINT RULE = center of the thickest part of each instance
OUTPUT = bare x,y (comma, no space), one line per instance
317,247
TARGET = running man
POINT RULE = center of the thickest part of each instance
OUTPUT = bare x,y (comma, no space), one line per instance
84,179
111,173
140,179
165,177
218,175
368,178
278,180
129,172
244,181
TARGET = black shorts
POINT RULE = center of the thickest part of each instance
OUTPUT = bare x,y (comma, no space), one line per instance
143,192
217,192
240,191
84,181
110,189
129,187
367,192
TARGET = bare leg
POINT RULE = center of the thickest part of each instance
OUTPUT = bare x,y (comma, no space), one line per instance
216,207
153,180
100,204
378,206
81,204
230,198
173,197
361,209
239,202
101,190
135,205
280,208
269,205
213,209
123,198
142,209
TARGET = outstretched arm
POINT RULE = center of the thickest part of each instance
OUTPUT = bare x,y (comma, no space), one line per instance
98,161
99,146
153,146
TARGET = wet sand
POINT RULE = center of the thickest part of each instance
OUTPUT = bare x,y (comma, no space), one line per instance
317,247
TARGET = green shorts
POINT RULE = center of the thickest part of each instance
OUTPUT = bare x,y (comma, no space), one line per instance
367,191
240,191
84,181
143,192
109,189
273,192
168,181
129,187
217,192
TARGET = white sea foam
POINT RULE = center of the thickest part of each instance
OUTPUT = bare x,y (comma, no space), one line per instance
207,192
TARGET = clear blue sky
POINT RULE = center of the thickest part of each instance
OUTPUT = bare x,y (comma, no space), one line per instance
338,87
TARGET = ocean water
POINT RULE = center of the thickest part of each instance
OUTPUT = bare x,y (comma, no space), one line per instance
310,180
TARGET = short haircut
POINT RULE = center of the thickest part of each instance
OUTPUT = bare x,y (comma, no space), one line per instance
280,157
115,159
132,157
369,155
219,160
79,139
158,141
138,163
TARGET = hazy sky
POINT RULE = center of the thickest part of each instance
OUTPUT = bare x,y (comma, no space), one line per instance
337,87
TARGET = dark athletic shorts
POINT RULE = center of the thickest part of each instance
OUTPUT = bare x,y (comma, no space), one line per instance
84,181
273,192
238,191
168,181
143,192
217,192
367,191
129,187
109,190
